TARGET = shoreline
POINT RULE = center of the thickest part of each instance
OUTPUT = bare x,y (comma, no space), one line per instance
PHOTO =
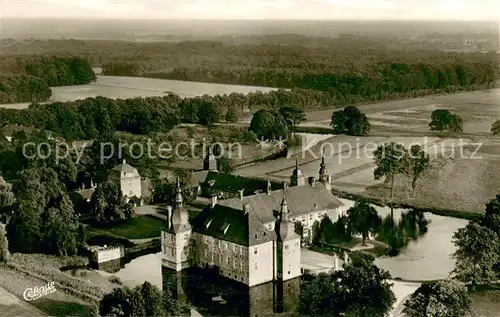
381,202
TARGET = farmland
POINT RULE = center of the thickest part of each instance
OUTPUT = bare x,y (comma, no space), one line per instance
465,168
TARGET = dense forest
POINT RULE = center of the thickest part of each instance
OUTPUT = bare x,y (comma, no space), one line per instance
29,78
343,70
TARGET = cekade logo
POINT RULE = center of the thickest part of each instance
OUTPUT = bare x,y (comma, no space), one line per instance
31,294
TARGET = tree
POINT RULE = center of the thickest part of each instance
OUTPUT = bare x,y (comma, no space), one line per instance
208,113
391,159
495,127
152,299
165,190
117,303
446,298
43,219
231,115
350,121
268,125
108,204
491,218
7,197
224,165
316,233
419,161
4,245
143,300
298,228
477,254
444,121
363,219
360,290
293,116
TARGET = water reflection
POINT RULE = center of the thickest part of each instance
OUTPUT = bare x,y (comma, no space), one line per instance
412,225
425,258
216,295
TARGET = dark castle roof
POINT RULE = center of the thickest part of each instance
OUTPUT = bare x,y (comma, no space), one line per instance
233,225
300,199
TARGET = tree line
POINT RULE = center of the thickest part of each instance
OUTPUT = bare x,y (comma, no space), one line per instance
29,78
86,119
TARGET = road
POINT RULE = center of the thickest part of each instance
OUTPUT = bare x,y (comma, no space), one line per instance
10,306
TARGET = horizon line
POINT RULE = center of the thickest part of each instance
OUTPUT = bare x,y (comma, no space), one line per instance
254,19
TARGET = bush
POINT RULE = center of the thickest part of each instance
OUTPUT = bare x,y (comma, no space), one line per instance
115,280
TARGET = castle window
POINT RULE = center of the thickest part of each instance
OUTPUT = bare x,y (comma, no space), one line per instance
220,244
255,251
213,256
241,265
206,253
241,250
173,252
228,260
296,244
185,236
234,248
288,272
234,263
310,217
286,246
220,258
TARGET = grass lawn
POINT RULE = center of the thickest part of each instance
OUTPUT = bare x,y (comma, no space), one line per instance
141,227
378,248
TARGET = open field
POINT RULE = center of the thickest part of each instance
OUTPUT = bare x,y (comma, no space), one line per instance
464,174
116,87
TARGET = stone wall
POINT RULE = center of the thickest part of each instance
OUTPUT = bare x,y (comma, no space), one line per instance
101,255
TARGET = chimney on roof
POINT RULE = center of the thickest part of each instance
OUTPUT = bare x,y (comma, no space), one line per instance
246,208
241,191
214,201
169,215
312,181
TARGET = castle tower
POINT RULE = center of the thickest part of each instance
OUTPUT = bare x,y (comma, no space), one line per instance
176,248
287,255
324,177
210,162
297,178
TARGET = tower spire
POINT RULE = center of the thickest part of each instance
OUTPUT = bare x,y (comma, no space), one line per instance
284,208
178,196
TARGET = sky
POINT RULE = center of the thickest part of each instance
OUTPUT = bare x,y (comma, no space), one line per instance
477,10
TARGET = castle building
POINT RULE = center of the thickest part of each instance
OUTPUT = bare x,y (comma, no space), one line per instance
250,240
128,178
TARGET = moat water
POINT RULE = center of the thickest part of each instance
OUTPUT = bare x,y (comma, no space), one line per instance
426,256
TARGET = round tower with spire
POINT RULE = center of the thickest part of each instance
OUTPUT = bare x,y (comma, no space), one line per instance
176,239
287,253
324,177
